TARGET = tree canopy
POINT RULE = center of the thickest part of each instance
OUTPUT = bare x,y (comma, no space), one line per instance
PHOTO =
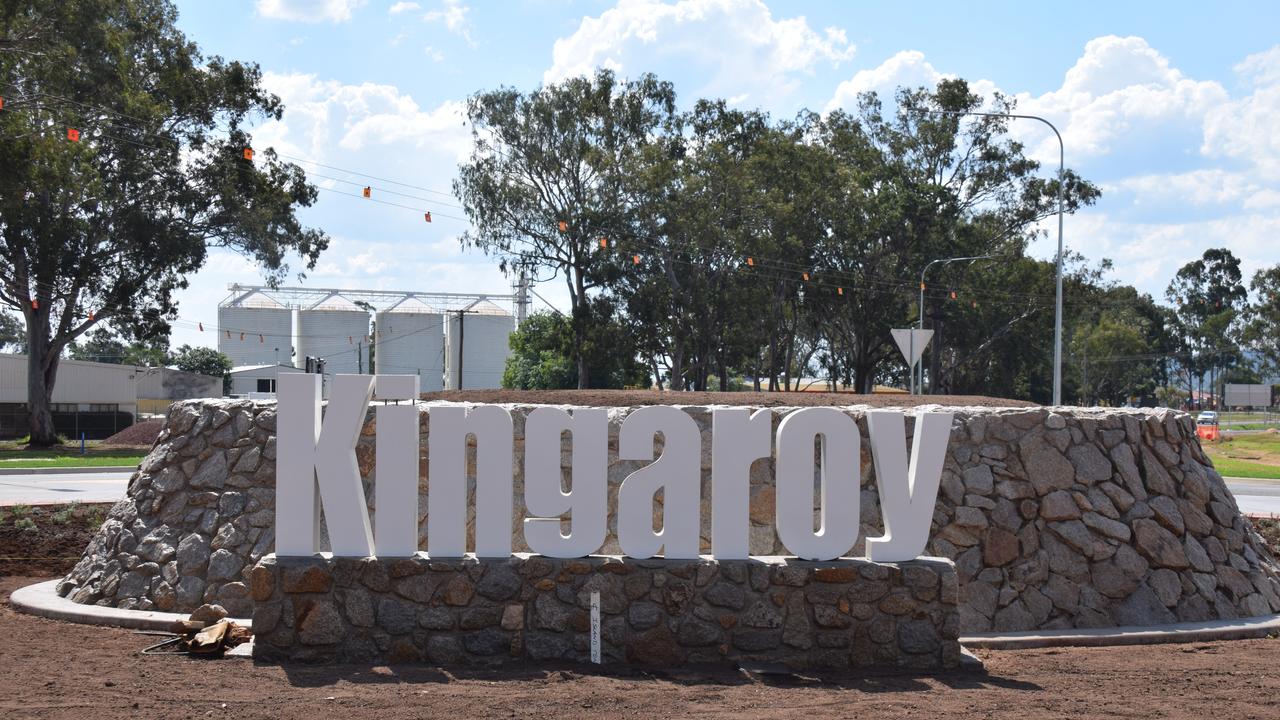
125,159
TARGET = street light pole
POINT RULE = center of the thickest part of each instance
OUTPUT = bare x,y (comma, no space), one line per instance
920,321
1057,318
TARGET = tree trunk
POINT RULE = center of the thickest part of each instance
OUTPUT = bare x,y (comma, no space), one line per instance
42,370
581,311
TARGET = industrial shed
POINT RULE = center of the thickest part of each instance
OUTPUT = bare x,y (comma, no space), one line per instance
160,387
258,380
97,399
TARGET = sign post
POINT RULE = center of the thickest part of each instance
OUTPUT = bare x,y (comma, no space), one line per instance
912,342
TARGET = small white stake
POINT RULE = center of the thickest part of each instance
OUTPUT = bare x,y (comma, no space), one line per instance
595,627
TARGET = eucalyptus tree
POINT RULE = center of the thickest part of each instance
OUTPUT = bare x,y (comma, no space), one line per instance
1262,332
546,179
1210,298
945,185
125,156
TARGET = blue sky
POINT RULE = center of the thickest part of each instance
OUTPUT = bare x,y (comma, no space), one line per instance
1169,106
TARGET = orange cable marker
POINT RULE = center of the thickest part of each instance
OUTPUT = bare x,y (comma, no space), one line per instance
953,294
1,102
806,277
635,259
839,291
563,226
242,336
35,304
921,286
427,216
604,243
73,135
261,339
228,334
751,262
90,316
248,153
368,191
199,324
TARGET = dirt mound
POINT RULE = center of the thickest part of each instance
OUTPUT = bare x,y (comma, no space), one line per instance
628,398
141,434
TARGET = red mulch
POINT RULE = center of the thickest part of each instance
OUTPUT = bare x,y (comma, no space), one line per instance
142,434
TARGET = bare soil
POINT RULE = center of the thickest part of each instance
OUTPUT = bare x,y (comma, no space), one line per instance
625,398
56,542
60,670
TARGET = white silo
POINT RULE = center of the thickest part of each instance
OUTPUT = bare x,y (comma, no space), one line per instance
254,329
337,330
409,340
478,343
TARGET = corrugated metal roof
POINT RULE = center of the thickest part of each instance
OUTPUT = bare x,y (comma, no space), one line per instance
484,307
410,305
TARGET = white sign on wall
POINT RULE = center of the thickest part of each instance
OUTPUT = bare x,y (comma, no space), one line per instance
316,469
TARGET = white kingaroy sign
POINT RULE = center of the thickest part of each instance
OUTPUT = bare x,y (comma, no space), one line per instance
319,456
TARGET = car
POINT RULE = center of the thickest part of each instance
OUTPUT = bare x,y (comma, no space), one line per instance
1208,417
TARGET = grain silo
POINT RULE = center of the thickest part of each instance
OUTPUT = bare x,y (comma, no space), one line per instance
255,329
337,330
409,340
478,344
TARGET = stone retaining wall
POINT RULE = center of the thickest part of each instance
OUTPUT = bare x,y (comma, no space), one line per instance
1055,518
849,613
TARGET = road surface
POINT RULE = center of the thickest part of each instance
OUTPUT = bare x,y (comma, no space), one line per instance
1255,497
44,489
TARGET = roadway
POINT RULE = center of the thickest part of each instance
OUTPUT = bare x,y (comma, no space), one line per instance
1255,497
48,488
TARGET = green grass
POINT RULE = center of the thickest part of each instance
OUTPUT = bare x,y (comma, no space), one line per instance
1231,467
13,456
1249,456
8,461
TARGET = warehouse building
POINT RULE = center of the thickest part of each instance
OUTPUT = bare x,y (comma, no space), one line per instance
258,381
97,399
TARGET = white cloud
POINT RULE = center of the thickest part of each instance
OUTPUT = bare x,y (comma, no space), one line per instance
400,7
1123,106
321,115
453,14
738,45
1245,129
905,69
1121,90
308,10
1118,91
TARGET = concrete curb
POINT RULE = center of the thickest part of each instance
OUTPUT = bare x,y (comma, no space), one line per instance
1254,627
42,599
69,470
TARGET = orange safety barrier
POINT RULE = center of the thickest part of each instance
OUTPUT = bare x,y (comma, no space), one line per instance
1207,432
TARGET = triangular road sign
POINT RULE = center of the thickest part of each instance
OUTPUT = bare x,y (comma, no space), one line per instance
912,341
